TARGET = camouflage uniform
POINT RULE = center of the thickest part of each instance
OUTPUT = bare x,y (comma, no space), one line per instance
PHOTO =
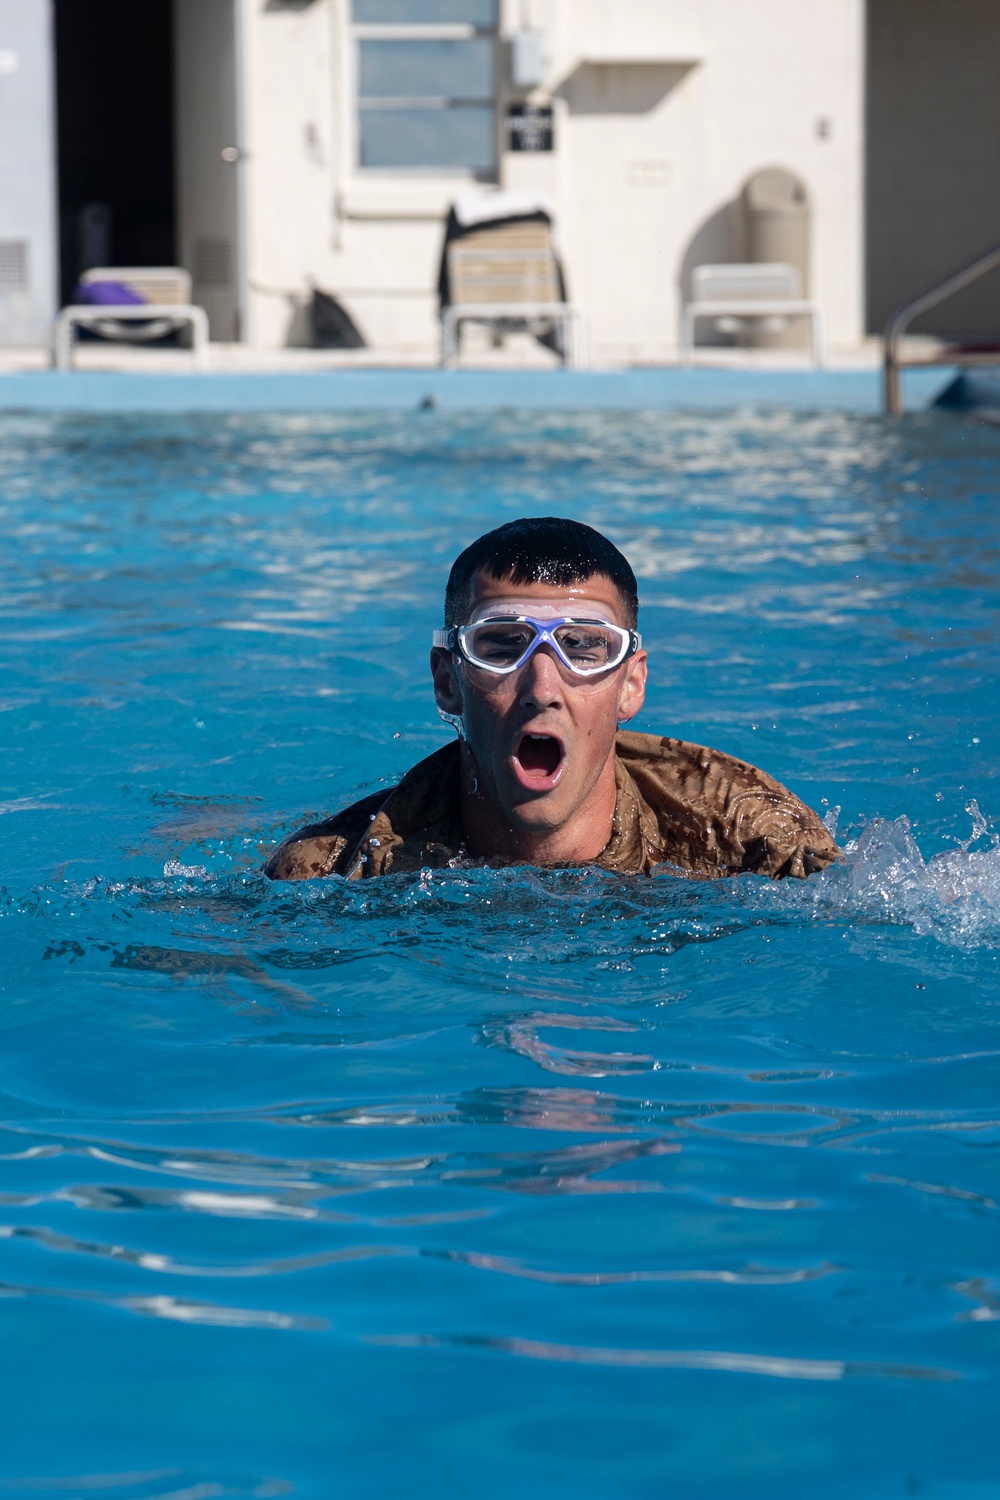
680,806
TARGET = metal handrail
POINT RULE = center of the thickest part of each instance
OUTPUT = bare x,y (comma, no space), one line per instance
903,317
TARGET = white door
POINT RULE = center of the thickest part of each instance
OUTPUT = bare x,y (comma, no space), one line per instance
208,165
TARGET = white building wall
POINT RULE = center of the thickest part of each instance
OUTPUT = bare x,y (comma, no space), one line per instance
288,105
649,191
663,109
27,173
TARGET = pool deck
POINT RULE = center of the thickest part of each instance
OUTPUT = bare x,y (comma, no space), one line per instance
849,388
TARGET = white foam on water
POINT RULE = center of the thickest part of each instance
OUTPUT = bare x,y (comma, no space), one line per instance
174,869
883,877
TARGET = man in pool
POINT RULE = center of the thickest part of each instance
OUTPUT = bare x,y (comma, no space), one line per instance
539,664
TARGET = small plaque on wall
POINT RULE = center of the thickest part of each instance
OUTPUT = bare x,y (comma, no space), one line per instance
529,127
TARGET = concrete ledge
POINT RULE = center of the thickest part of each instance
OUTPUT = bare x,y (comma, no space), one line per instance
464,390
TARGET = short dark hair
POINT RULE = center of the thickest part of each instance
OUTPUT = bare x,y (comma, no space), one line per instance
546,549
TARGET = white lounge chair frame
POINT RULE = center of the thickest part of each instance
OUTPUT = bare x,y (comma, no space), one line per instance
168,306
513,285
766,290
565,314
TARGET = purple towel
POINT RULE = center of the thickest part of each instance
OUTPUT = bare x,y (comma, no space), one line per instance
107,294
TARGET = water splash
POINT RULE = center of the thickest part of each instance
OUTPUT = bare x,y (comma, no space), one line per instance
883,877
522,914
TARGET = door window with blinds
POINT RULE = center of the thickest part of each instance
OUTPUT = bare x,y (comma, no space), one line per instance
426,85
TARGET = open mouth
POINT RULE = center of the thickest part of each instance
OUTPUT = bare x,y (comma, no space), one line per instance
538,758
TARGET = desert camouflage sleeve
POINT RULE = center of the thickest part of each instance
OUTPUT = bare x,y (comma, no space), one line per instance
324,848
718,815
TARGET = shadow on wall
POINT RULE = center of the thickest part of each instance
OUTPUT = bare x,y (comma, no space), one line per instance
718,240
768,222
596,88
319,320
299,330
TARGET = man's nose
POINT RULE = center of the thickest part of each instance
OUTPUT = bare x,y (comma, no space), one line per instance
541,684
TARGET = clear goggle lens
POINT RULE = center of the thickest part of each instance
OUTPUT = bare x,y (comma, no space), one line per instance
502,644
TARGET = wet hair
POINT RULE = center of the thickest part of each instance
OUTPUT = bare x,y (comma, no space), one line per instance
546,549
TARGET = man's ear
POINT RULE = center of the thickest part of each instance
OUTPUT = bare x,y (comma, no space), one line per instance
447,683
632,691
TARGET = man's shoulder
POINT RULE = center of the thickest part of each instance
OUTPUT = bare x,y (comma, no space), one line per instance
689,764
416,807
637,748
323,848
715,809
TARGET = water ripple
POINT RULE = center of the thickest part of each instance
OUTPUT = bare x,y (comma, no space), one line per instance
776,1366
174,1309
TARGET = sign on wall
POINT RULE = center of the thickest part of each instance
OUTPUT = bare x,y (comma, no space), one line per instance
529,127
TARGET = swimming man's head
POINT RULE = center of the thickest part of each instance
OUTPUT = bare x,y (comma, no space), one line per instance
546,549
541,661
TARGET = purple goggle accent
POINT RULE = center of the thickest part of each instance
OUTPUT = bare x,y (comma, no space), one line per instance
585,647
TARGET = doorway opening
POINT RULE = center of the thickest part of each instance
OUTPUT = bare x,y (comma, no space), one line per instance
933,158
115,112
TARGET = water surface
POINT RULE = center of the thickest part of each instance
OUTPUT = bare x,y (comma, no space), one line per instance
484,1184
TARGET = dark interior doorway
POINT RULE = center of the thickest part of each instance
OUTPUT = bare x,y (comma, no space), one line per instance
114,93
933,159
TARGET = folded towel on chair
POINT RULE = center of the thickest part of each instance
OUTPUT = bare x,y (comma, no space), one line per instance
107,294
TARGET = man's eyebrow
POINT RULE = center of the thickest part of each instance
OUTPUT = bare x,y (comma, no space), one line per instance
512,614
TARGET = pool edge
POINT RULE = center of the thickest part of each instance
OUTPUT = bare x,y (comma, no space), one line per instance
857,391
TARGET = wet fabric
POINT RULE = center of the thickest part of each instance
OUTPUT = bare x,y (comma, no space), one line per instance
679,805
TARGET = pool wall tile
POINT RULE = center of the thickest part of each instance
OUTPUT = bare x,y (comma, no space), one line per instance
360,390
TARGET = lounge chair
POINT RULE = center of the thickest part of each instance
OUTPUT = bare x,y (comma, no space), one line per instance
132,304
500,269
731,293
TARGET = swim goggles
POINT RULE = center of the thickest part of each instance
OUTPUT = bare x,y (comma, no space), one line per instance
502,643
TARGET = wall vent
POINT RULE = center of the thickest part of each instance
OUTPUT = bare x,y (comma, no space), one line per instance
212,262
13,268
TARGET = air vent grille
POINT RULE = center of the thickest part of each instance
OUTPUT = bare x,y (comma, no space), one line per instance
13,268
213,262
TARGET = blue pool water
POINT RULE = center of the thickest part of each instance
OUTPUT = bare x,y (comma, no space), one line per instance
488,1185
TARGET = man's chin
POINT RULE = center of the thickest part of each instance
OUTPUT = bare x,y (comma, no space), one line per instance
539,812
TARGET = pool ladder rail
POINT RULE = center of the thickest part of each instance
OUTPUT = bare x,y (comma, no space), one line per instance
968,356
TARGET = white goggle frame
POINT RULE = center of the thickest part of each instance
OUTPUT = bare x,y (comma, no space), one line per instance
456,640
